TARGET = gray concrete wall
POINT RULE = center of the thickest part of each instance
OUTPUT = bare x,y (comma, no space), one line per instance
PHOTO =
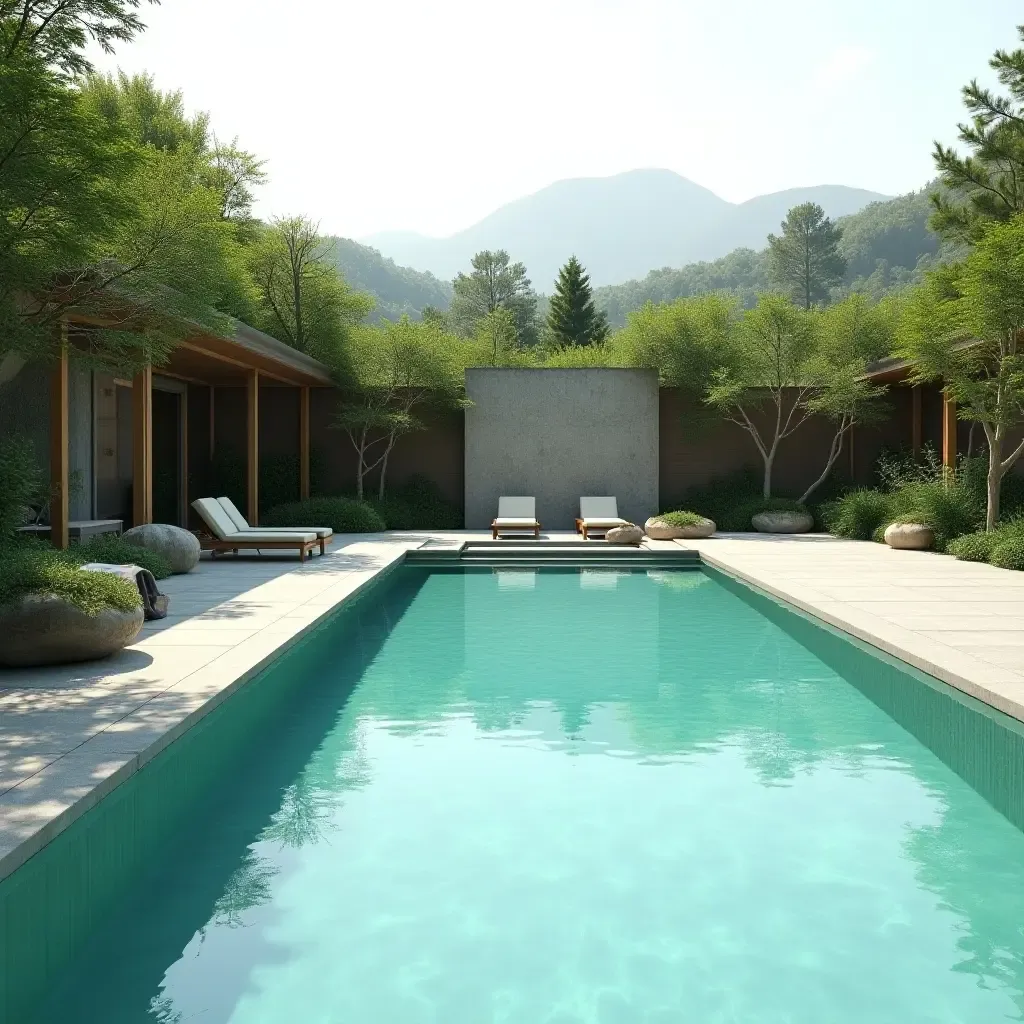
560,434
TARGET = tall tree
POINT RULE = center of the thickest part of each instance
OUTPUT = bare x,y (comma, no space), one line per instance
965,328
302,298
805,259
395,370
494,283
764,388
987,185
573,319
57,31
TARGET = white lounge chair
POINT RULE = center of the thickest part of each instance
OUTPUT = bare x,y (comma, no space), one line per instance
601,514
516,515
323,533
224,536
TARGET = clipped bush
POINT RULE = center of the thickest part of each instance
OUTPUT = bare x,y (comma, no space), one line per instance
857,515
32,570
681,519
722,495
342,515
115,551
417,505
973,547
1009,553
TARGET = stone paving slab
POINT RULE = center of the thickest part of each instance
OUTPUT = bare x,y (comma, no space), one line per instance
962,622
71,733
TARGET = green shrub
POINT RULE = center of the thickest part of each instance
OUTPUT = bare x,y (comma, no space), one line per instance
681,519
115,551
973,547
1009,553
951,510
857,515
32,570
342,515
418,505
21,481
722,495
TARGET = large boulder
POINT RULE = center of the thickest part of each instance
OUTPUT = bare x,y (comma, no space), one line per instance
41,629
628,534
178,546
910,536
782,522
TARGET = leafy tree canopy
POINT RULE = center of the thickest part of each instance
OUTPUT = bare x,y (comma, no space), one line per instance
494,283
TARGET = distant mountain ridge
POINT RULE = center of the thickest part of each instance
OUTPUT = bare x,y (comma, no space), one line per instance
396,290
621,227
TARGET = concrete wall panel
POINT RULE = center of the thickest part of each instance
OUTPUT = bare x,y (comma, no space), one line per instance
560,434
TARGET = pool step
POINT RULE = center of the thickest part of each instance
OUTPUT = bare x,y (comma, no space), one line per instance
546,552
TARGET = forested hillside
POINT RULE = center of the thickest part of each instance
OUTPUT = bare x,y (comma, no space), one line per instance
396,289
887,245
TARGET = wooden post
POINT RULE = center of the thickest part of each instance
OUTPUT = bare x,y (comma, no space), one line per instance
253,438
304,443
183,412
59,470
948,435
915,419
142,447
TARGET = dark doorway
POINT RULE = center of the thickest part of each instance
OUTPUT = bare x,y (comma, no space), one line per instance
166,457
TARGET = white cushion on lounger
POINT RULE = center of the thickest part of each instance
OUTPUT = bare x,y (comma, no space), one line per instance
517,508
212,513
241,523
516,524
600,509
602,524
251,536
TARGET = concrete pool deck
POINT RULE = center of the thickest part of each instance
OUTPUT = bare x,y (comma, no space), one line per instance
70,734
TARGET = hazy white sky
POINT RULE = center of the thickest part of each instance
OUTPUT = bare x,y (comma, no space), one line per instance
407,114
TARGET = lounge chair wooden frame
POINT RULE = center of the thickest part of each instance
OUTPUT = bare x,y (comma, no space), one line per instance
304,547
496,529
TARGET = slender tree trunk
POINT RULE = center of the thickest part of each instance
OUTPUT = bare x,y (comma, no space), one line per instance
995,481
769,462
833,455
384,465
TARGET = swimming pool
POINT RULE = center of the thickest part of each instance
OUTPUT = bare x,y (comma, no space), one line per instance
560,796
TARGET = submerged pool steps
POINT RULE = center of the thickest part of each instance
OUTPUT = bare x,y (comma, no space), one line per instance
530,552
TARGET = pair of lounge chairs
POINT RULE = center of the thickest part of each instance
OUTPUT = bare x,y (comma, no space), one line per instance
519,515
230,531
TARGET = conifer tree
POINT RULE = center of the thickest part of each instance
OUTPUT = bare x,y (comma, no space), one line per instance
573,319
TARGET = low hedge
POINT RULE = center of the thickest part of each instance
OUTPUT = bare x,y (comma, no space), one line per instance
30,569
417,505
1009,553
342,515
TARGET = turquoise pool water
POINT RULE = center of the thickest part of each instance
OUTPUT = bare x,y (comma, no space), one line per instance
561,797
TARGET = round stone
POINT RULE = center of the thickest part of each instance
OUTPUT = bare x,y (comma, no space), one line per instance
178,546
782,522
910,536
42,629
628,534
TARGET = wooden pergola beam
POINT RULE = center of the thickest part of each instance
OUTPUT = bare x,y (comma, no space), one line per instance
142,447
253,447
59,441
304,443
948,433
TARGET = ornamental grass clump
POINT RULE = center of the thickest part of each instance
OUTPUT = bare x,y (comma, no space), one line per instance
678,520
857,515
